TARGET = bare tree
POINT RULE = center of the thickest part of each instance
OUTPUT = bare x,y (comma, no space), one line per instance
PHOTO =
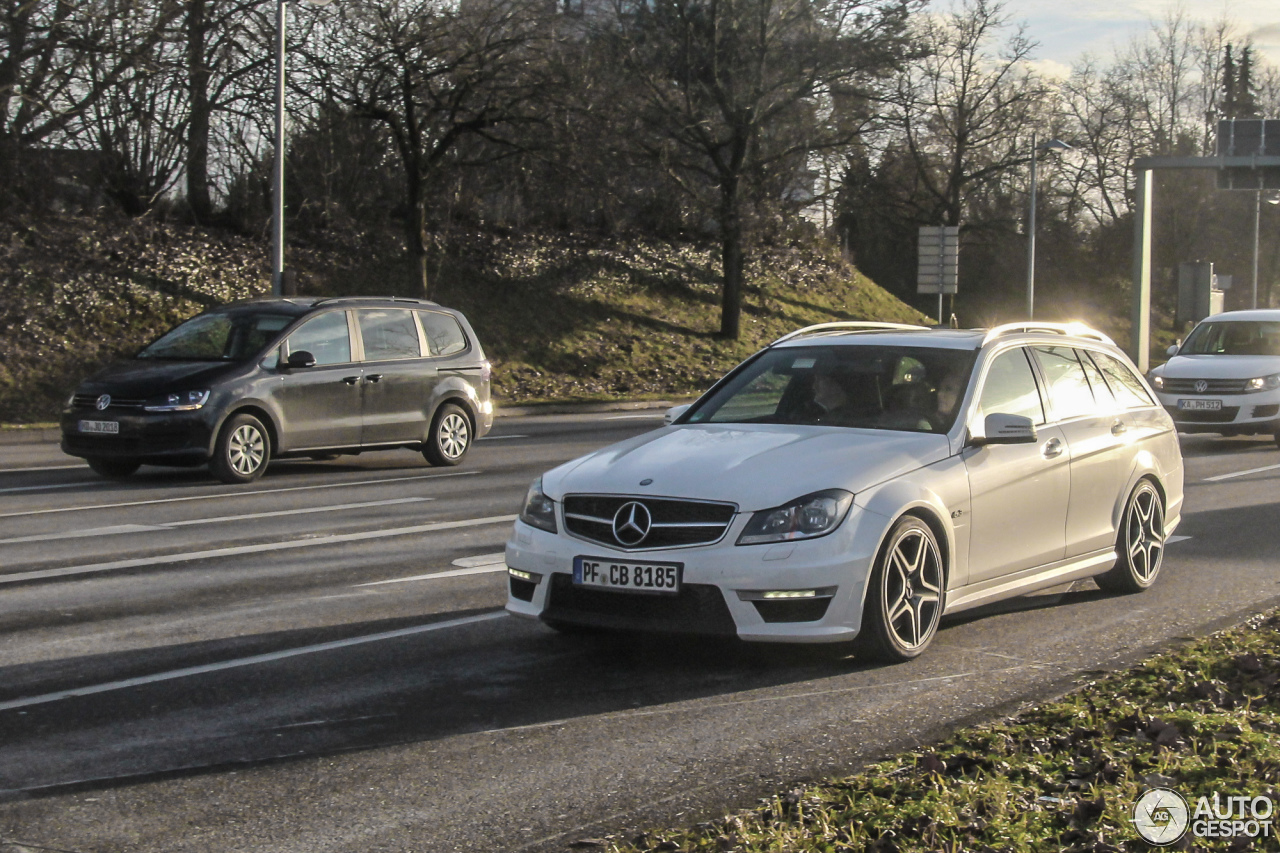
447,82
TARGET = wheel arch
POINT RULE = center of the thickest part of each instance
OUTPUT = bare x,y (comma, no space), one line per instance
259,412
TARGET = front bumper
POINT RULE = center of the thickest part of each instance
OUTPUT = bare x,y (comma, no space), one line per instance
721,590
177,438
1240,414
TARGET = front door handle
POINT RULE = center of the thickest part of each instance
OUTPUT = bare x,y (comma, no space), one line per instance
351,380
375,378
1118,428
1052,448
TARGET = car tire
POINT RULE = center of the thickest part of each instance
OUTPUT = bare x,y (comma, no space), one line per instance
113,469
450,436
1139,542
906,595
242,451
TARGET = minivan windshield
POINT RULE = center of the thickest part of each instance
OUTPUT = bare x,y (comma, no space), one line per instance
218,337
916,389
1235,337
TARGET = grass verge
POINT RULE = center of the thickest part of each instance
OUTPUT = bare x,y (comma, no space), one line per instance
1064,776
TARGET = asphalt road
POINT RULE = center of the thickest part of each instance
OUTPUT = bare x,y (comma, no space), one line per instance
320,661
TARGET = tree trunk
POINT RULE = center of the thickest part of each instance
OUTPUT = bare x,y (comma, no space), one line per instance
198,128
416,233
731,262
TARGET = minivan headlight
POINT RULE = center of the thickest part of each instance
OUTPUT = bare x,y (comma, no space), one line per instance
185,401
1263,383
1157,381
539,510
803,518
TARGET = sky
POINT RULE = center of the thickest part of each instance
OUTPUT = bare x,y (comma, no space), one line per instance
1066,29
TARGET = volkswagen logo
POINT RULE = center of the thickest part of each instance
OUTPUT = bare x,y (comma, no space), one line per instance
631,523
103,402
1201,386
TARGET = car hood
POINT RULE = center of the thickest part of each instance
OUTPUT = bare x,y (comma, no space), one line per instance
756,466
1220,366
146,378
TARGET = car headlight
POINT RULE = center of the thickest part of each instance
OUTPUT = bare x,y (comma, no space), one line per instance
803,518
187,401
1157,381
1263,383
539,510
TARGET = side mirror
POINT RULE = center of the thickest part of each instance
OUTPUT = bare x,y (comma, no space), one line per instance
674,412
300,359
1006,429
1172,351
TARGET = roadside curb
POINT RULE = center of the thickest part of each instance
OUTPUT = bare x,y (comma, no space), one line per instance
52,434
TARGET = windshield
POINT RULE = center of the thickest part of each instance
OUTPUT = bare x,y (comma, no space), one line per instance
218,337
1238,337
916,389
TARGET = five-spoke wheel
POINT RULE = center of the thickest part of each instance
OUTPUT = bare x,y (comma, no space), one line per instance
1139,543
905,599
243,450
450,437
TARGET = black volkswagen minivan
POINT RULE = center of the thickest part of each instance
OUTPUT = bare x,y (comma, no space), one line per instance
241,384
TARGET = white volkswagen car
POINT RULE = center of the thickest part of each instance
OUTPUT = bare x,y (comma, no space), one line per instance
1225,377
856,482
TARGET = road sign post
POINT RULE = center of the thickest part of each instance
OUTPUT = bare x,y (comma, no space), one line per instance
938,269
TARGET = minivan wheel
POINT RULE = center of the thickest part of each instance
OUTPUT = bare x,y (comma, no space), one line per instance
242,452
905,598
1140,542
114,469
450,437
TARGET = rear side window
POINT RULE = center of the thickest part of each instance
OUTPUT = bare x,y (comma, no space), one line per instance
1010,388
444,335
1128,388
325,337
1068,387
388,333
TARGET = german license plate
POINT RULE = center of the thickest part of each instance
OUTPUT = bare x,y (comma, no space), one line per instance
627,577
1200,405
105,427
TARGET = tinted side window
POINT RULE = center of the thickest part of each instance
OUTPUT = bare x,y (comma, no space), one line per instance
1128,388
1068,388
388,333
444,335
325,337
1010,388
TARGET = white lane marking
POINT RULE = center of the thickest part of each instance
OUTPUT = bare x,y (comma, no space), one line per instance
44,468
450,573
15,489
253,660
481,560
1241,473
378,482
94,568
172,525
500,437
636,417
1175,539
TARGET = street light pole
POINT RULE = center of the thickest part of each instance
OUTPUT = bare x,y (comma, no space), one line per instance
1051,145
277,169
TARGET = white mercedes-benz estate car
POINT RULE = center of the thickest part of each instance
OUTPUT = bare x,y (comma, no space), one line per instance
1225,377
856,481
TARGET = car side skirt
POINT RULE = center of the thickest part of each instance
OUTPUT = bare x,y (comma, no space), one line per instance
1031,580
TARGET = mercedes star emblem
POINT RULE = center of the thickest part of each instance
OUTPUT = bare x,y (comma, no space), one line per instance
631,523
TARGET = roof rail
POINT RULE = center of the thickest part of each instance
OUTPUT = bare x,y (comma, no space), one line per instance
849,326
412,300
1080,330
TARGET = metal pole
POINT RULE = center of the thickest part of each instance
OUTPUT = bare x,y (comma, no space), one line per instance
1031,237
1140,341
277,172
1257,216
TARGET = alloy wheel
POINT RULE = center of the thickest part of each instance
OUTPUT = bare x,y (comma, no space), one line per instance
1144,533
912,588
246,449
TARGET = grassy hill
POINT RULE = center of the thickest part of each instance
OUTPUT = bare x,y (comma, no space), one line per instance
562,317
